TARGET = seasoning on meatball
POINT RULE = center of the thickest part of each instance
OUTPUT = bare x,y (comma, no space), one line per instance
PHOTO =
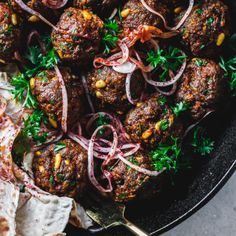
129,184
100,7
10,32
79,37
37,5
152,123
202,86
109,87
46,89
135,14
205,29
61,169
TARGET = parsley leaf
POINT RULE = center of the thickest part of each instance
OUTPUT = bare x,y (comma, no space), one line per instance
112,25
200,143
229,68
59,146
102,120
110,38
180,108
170,59
32,126
22,90
166,156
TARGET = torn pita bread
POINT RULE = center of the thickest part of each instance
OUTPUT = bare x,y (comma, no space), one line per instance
8,133
9,197
13,109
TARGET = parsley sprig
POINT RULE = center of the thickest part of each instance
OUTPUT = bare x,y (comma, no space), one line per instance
110,38
102,120
32,125
22,91
201,143
180,107
170,59
38,62
166,157
229,67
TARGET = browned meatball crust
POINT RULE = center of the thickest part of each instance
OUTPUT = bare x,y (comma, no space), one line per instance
109,87
139,15
205,29
79,37
152,123
46,89
202,86
10,32
36,5
101,7
129,184
62,172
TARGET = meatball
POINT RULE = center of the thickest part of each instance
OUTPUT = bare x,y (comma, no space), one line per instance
79,37
36,5
46,89
101,7
202,86
205,29
152,123
61,169
109,87
135,14
129,184
10,32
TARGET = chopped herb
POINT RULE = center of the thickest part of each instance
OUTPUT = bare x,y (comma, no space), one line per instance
22,91
110,38
109,42
162,100
73,183
59,146
51,180
200,143
170,59
210,21
32,127
112,25
166,156
180,108
229,67
200,62
102,120
164,125
199,11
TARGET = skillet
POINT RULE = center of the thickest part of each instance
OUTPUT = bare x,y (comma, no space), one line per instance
191,188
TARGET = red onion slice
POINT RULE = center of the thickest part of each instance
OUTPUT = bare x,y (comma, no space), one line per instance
113,14
85,85
55,4
64,100
187,13
169,93
138,168
112,152
170,82
116,62
33,12
125,68
35,34
127,89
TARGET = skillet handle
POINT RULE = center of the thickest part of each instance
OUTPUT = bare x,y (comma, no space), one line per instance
134,229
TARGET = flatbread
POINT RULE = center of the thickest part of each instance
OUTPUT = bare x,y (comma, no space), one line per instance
13,109
9,197
8,133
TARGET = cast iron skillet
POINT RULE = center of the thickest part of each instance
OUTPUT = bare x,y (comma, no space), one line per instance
192,188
